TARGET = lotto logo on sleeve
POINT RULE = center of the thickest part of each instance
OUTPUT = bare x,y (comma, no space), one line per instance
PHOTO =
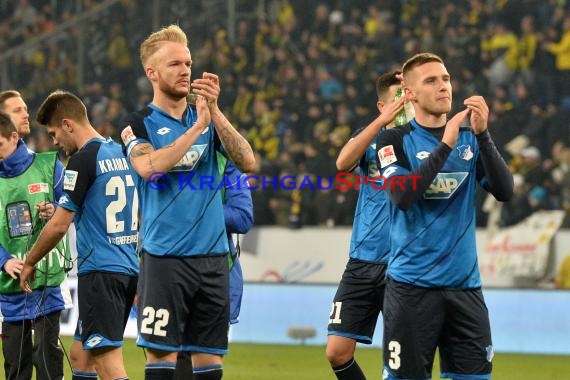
387,156
70,180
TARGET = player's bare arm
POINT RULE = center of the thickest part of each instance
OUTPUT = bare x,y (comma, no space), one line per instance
355,148
147,160
235,145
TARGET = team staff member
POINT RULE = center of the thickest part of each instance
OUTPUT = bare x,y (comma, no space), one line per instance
29,184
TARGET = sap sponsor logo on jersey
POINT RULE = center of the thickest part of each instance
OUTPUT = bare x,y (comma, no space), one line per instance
127,135
465,152
444,185
35,188
113,164
190,159
387,156
70,179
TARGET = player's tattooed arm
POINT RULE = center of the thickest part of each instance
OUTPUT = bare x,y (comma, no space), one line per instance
147,160
141,159
235,145
141,150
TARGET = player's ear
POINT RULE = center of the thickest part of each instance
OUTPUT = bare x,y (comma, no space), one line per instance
380,105
150,73
66,125
410,95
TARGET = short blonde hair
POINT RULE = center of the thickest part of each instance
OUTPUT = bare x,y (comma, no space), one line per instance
171,33
8,94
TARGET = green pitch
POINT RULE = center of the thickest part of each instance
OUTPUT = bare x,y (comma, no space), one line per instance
274,362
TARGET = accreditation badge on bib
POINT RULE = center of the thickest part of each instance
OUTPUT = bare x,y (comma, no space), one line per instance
19,219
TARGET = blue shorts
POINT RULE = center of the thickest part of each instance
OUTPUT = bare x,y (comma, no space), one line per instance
419,320
358,301
184,303
105,301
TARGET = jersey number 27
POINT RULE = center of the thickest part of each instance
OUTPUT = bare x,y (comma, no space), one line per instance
118,187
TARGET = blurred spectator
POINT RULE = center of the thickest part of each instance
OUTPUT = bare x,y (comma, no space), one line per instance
500,47
561,50
527,45
23,20
119,56
518,208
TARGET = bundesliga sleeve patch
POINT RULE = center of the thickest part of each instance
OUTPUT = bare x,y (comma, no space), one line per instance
127,135
70,180
387,156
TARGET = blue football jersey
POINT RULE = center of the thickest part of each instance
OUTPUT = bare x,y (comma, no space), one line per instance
184,215
433,242
371,227
99,186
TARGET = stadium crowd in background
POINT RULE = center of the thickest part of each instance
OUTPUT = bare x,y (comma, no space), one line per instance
300,79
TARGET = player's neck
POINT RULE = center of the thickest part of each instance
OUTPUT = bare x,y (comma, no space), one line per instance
173,107
430,120
85,135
